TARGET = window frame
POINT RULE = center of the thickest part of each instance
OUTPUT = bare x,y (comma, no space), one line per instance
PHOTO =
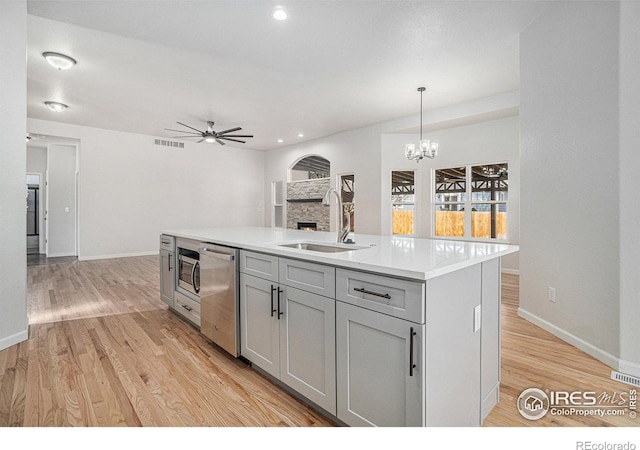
414,203
467,205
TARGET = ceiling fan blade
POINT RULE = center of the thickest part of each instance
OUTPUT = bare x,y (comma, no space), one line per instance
176,137
219,141
190,127
183,131
229,139
229,130
200,141
238,135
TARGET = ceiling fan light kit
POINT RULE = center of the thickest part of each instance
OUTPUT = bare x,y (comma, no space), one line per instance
425,148
210,135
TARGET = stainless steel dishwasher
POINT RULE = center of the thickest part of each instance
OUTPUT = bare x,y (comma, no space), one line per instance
219,303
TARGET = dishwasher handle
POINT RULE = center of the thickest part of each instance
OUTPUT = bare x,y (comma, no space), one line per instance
214,254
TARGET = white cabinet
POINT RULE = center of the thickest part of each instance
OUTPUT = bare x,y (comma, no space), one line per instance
380,368
290,333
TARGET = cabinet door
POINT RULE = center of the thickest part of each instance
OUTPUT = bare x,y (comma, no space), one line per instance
307,346
259,326
167,281
375,385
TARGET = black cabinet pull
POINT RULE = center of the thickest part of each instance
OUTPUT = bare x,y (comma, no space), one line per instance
411,364
272,290
364,291
280,291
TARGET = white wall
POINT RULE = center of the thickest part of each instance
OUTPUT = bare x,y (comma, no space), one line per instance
570,211
13,248
130,189
485,142
61,200
629,187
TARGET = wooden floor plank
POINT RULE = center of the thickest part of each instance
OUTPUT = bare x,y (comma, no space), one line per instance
104,351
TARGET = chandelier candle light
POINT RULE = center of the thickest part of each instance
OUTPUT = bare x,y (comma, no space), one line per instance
425,148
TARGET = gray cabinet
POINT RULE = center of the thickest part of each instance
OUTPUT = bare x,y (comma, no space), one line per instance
167,269
380,368
167,277
376,350
288,332
260,329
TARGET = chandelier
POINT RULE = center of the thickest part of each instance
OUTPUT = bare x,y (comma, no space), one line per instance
425,148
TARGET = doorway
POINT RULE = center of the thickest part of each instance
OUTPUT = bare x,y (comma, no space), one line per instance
33,213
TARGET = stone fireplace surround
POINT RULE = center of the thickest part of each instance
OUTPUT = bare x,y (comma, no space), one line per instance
304,203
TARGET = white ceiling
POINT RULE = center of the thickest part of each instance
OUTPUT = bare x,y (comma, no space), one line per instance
332,66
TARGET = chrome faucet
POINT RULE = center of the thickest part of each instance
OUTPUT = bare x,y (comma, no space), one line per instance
343,217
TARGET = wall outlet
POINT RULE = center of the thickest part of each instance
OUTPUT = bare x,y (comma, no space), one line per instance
552,294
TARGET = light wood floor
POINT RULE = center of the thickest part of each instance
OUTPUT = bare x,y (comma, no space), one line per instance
104,351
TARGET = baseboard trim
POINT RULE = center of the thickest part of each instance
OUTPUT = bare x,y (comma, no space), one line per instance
511,271
118,255
14,339
60,255
629,368
590,349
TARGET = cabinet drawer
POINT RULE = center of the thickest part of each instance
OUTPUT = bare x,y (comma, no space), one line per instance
187,308
400,298
259,265
310,277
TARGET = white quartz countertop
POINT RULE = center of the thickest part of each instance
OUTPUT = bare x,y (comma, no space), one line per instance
405,257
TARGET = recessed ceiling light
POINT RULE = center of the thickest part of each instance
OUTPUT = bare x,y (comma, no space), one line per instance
300,135
279,13
280,141
55,106
59,61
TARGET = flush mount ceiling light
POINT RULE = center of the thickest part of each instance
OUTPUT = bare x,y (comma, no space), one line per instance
425,148
59,61
279,13
55,106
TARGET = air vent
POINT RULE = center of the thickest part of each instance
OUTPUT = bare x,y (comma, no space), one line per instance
169,143
634,381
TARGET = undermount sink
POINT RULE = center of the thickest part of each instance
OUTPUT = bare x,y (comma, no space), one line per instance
324,248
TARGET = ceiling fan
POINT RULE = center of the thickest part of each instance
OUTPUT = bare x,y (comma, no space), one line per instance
210,135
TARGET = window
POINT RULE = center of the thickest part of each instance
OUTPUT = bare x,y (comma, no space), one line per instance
277,201
471,201
403,202
347,194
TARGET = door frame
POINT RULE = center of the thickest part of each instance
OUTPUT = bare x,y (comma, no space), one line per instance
41,208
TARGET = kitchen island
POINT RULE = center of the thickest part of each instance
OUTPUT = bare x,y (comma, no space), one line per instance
389,331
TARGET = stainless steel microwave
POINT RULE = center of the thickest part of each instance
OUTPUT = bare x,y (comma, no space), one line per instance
188,272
